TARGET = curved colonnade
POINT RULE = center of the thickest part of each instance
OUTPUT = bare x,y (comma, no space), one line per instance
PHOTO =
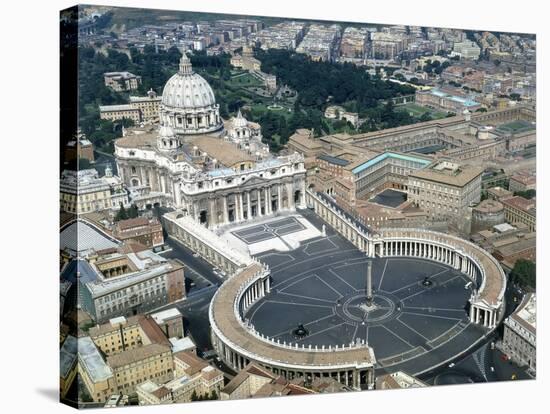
238,344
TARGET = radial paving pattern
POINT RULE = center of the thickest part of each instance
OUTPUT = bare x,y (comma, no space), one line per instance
322,286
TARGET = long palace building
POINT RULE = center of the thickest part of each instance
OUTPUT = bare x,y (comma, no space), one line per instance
217,172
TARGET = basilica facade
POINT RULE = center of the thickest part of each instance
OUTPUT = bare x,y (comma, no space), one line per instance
216,171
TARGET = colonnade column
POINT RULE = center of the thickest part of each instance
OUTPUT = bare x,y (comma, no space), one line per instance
259,203
268,200
177,194
241,206
236,214
290,196
248,206
225,211
213,216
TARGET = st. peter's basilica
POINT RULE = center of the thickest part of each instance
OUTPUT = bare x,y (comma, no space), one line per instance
217,171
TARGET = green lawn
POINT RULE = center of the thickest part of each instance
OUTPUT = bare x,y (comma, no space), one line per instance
263,107
417,110
516,126
244,79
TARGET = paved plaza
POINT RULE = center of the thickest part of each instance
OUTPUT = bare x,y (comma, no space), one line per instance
390,198
322,286
282,233
269,230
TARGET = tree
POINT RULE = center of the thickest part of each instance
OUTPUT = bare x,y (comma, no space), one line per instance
121,215
133,212
213,395
127,122
387,112
157,211
528,194
316,81
194,396
524,273
84,164
425,117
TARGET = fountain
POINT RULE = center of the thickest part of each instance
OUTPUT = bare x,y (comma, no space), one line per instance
300,331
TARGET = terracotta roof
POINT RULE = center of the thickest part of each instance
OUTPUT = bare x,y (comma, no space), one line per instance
523,178
133,247
104,328
137,354
153,331
145,140
161,392
499,192
363,157
242,376
520,203
305,141
387,382
225,152
279,387
489,206
344,182
132,222
194,363
210,372
460,179
327,385
520,246
298,390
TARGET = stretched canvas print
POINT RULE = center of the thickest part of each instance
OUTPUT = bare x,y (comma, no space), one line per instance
257,206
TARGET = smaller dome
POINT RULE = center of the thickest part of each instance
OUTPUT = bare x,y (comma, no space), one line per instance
239,121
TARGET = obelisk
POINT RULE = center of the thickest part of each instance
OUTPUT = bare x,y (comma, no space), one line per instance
368,288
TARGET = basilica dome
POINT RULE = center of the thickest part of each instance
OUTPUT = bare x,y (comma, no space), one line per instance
187,89
188,103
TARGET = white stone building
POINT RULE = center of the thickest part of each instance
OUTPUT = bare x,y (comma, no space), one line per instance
215,175
246,135
85,191
520,333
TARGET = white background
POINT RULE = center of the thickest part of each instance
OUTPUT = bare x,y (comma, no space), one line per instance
29,182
